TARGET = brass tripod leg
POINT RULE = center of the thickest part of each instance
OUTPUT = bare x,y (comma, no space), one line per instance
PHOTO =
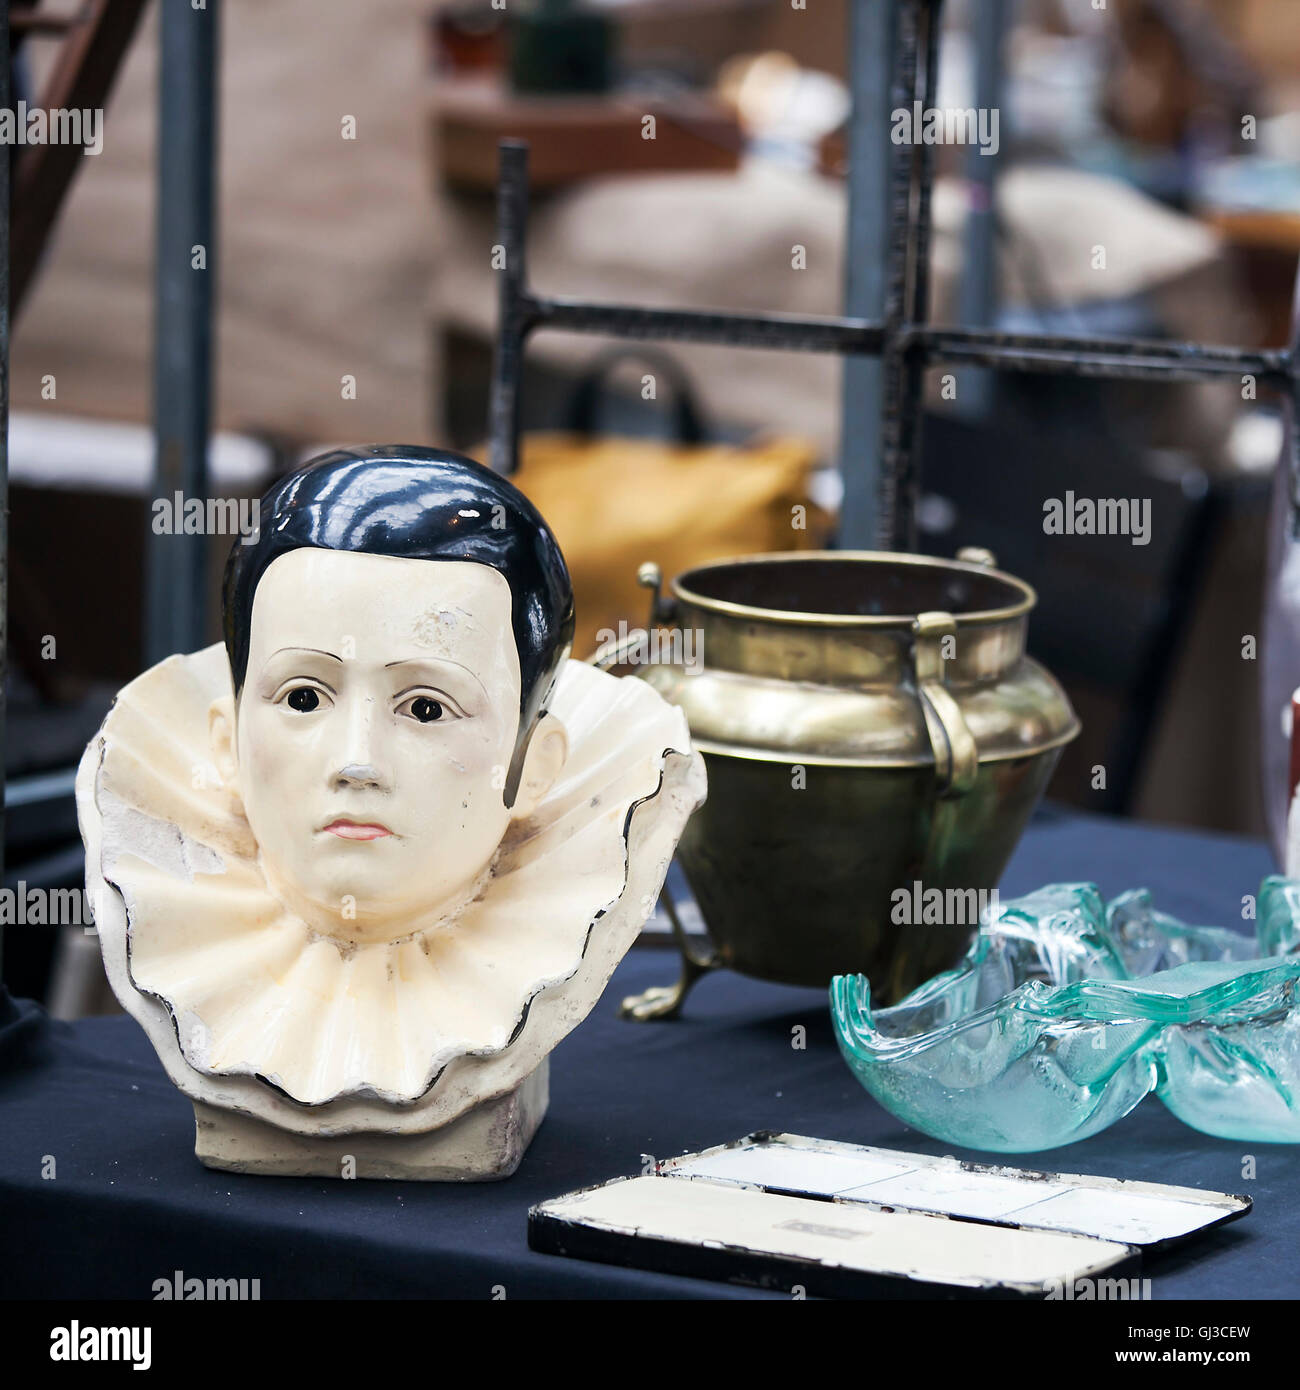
665,1001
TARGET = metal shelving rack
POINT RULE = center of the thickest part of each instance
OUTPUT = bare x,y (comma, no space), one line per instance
900,338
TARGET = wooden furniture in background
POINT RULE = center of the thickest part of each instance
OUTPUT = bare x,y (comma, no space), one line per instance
576,138
92,43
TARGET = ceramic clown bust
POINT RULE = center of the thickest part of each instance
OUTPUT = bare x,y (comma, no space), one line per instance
360,868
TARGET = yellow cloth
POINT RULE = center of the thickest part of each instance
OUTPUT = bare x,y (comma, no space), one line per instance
615,503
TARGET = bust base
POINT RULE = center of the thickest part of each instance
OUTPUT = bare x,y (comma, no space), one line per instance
484,1144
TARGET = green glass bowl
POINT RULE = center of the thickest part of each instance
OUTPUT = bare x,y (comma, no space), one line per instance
1066,1012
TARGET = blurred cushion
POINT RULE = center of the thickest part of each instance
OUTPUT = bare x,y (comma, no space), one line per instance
616,503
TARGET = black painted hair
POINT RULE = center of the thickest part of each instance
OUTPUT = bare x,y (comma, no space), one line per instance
421,504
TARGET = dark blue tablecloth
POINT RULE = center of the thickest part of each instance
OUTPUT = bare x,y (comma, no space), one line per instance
129,1203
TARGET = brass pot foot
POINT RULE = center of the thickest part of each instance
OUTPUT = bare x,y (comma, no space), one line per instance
663,1001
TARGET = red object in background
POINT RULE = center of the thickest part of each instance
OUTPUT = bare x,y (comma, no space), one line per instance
468,39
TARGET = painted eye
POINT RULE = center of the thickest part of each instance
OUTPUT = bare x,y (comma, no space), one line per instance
303,699
427,706
426,710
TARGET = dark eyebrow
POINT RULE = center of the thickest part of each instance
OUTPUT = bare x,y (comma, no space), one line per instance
437,661
314,651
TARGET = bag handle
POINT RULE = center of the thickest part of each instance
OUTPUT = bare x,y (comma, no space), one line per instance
688,426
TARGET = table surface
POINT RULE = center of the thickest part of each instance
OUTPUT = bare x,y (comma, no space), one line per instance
129,1204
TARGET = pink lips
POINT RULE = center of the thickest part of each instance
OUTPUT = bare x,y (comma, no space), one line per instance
354,830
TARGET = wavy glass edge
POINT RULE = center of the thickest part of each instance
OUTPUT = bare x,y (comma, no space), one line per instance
1217,1035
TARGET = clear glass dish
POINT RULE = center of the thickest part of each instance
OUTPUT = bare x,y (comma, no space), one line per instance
1067,1011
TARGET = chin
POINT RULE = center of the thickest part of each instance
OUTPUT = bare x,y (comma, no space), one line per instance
330,889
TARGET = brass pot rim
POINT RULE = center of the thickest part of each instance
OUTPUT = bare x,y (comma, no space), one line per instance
726,607
712,748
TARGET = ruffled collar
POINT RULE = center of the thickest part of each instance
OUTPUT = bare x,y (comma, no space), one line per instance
252,992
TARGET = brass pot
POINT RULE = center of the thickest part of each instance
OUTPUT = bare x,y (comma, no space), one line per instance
870,723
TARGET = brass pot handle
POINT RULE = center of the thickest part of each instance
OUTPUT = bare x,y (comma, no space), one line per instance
663,612
956,759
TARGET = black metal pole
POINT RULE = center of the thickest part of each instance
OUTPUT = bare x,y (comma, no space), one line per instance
1156,359
513,319
872,33
979,270
788,332
901,463
6,101
900,375
185,269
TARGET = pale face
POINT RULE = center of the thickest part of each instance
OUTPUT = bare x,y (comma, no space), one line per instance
377,720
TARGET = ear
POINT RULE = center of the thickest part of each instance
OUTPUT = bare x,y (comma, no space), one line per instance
548,750
221,739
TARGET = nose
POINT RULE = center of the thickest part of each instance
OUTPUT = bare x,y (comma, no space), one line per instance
359,763
358,775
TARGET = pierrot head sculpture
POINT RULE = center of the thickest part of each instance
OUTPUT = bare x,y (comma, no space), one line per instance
394,636
431,838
